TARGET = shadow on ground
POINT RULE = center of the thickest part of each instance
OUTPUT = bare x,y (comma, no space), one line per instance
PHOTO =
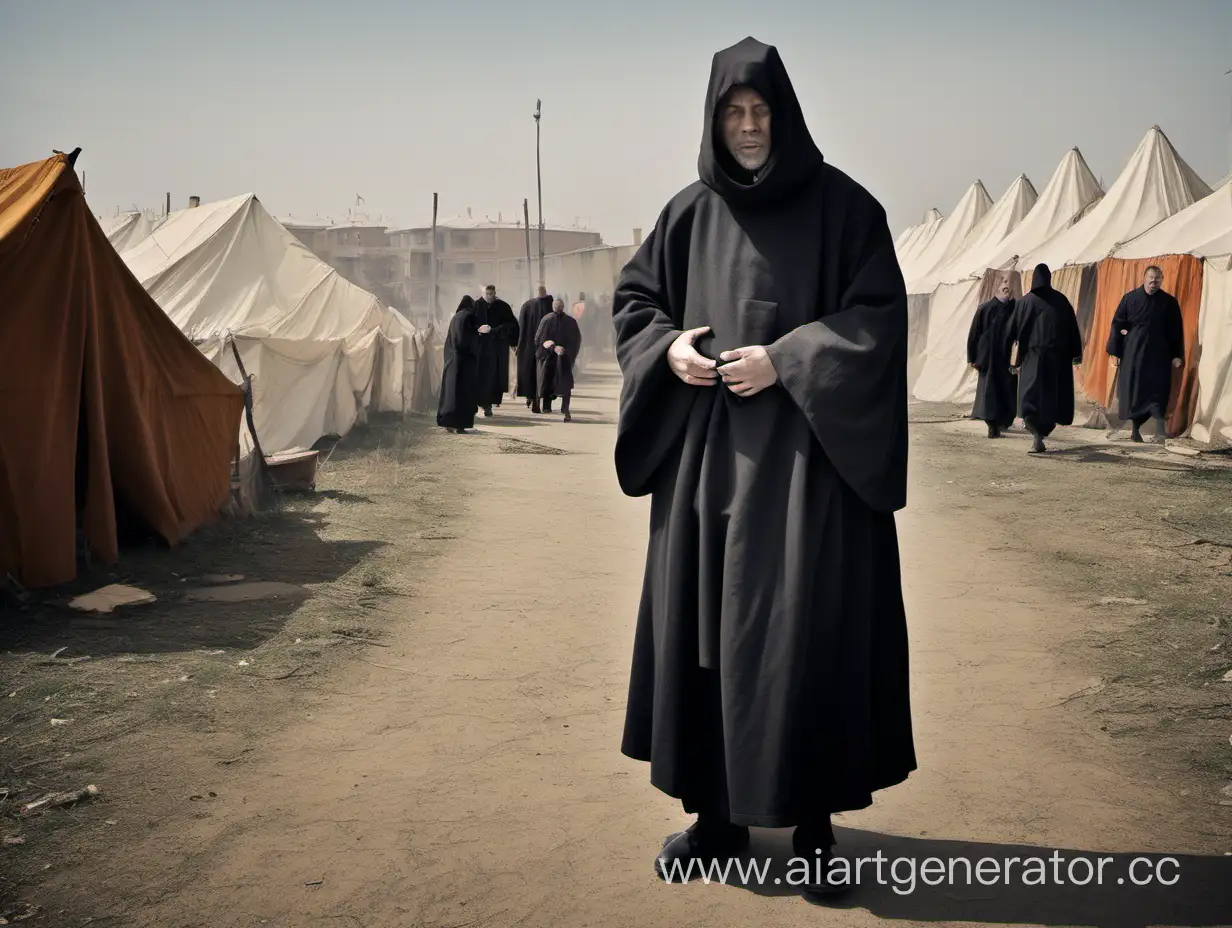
284,546
1200,893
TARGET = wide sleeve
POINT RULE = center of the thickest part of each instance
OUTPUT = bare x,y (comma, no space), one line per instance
1012,335
973,336
1176,330
847,371
1120,321
543,334
1073,334
507,330
647,309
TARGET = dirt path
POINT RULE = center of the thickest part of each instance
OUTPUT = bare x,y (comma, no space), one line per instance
468,772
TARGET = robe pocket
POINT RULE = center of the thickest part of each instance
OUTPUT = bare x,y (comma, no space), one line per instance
756,322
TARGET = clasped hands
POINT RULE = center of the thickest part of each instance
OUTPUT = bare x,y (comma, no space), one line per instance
746,371
552,346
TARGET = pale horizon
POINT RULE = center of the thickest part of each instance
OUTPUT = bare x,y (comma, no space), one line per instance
308,105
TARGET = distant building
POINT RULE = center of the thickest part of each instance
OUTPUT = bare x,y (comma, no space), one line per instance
310,232
471,253
396,264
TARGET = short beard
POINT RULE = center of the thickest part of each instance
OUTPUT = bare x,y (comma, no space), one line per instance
753,165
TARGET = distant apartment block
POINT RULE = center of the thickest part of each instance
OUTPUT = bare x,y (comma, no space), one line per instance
396,264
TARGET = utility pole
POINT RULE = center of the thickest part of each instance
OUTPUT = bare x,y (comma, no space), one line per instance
539,180
1225,74
432,302
530,274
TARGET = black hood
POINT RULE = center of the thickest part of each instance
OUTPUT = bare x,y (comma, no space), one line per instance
467,302
794,158
1042,278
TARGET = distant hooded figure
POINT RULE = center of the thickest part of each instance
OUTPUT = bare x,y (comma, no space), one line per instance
460,378
769,680
1049,345
996,394
529,317
1147,342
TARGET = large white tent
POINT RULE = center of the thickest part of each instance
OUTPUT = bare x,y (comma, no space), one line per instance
1203,230
917,238
972,207
1071,192
944,376
1213,415
1004,217
1156,184
321,350
124,230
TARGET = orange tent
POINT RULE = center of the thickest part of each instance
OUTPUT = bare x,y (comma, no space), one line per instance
1183,279
106,409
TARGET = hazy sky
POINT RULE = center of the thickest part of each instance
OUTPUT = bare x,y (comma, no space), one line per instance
309,103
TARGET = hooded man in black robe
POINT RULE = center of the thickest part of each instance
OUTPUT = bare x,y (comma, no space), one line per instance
996,394
1146,343
498,332
529,317
1049,346
769,683
559,342
460,377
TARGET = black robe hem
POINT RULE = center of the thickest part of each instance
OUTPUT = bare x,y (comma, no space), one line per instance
791,820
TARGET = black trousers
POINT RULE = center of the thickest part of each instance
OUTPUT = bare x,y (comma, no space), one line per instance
564,403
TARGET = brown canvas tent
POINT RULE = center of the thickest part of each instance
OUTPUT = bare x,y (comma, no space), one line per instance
106,409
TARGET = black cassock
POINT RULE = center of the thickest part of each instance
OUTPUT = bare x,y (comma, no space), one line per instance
769,676
460,378
532,313
996,394
555,372
1156,336
494,349
1049,342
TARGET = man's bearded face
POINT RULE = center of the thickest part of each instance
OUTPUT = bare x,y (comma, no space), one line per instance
745,120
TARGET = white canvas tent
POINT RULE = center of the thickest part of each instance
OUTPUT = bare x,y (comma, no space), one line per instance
124,230
1213,415
918,239
948,241
321,350
907,237
1156,184
1004,217
943,373
1204,230
1070,193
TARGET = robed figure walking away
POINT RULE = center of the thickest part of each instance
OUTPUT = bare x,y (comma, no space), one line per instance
498,332
460,377
558,341
996,393
1147,343
769,679
1049,346
532,313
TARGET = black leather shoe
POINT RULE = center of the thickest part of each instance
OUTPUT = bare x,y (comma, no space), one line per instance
702,845
821,881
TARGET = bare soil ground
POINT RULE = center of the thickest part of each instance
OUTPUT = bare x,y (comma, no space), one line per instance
422,728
